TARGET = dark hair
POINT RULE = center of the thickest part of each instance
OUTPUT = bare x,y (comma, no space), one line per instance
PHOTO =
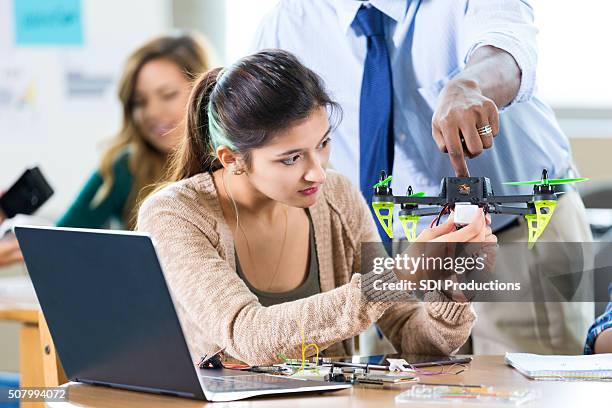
249,103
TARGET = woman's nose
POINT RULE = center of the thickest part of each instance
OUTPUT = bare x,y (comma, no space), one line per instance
316,172
153,110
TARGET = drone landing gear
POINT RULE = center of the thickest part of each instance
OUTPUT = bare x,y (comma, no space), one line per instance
384,213
536,223
409,224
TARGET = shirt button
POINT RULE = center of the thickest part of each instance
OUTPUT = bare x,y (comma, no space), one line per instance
402,137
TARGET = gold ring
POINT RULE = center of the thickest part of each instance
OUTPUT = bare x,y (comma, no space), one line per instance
486,130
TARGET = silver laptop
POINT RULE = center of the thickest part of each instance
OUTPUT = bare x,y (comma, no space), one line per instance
113,321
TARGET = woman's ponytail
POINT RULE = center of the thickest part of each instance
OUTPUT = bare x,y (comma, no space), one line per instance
195,153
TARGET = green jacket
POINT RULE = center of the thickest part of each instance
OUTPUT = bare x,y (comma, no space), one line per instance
82,214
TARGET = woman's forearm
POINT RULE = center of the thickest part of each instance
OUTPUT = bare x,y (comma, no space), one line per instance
433,326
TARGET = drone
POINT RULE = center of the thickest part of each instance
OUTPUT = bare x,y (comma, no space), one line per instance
464,195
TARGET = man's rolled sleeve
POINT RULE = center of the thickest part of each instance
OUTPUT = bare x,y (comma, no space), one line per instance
507,25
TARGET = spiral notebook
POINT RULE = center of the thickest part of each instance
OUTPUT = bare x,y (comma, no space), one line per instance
539,367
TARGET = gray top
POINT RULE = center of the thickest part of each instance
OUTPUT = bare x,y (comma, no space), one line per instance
308,288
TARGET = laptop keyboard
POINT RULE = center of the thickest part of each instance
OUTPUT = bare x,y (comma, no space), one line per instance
248,383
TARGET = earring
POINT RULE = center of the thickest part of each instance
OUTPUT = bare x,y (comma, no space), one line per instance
235,171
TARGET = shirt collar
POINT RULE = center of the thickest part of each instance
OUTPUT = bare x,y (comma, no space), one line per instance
346,10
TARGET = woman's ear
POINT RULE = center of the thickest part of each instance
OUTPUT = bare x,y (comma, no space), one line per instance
230,159
225,155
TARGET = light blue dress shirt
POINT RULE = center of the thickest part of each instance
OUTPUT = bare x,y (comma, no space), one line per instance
429,41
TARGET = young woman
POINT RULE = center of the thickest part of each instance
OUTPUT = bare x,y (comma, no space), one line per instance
259,241
153,90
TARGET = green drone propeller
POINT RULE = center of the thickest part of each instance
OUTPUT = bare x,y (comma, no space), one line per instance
384,182
536,223
546,181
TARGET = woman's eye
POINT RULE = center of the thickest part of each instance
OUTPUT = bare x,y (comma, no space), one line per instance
290,161
324,144
170,95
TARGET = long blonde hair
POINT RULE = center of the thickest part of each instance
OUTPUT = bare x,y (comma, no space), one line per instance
146,163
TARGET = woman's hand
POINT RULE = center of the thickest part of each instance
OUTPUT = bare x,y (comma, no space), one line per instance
478,230
9,252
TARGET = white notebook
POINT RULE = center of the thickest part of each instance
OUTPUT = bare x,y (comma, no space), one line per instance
589,367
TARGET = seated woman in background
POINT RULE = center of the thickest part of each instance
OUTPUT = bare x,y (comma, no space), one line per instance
599,337
153,90
258,239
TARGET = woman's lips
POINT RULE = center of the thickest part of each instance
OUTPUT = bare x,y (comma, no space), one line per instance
161,130
309,191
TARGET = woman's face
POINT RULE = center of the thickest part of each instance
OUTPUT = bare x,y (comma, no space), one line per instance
160,101
291,167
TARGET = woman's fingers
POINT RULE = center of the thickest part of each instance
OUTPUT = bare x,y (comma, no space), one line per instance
478,230
490,237
429,234
474,231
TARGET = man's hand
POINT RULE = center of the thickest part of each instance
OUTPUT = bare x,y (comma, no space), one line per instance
469,101
462,110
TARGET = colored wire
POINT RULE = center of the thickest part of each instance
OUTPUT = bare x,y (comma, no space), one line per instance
440,214
304,348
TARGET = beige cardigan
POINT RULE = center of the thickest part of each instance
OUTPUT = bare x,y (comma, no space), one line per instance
216,309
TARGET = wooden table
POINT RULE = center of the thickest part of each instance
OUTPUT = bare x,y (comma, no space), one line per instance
488,370
30,368
38,362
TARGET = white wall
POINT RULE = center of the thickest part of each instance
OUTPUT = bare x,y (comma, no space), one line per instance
574,61
57,131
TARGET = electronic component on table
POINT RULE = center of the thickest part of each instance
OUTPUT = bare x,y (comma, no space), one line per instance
386,378
485,396
360,376
381,362
212,361
270,370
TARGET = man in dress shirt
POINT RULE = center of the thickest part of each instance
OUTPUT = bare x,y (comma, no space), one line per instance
432,88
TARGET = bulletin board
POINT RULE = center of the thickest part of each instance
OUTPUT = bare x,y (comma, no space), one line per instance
60,61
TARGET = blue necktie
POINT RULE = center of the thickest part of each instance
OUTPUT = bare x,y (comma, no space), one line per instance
375,106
